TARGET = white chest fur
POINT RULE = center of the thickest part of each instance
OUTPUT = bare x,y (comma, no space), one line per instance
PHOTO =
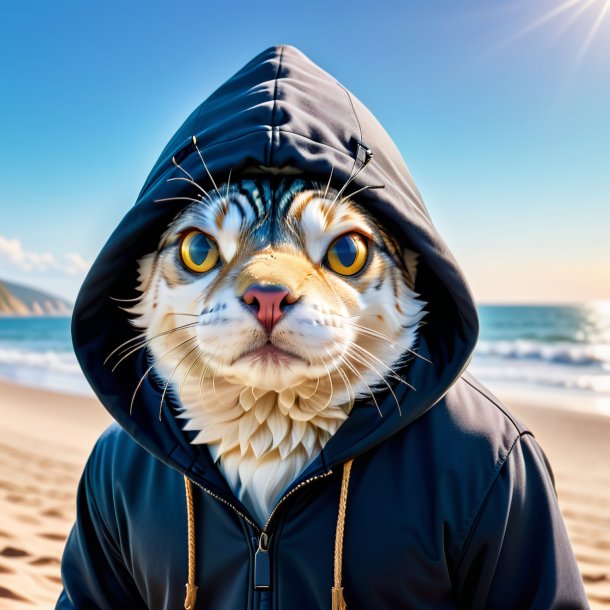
262,440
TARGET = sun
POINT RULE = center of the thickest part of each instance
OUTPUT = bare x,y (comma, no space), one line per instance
565,14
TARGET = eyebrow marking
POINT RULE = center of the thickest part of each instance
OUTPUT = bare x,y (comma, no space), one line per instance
319,226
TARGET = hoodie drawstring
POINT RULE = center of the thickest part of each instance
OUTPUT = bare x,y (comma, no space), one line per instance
191,589
338,601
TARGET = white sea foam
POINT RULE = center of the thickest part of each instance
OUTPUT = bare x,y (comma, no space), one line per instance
560,352
576,374
53,370
64,362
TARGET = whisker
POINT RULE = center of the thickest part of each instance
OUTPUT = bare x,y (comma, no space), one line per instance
176,164
375,335
394,375
169,380
194,139
332,313
184,198
214,384
364,354
355,371
332,387
140,336
202,377
127,300
369,156
184,378
144,341
329,179
229,183
368,364
132,350
317,359
349,179
315,391
364,188
150,368
348,385
198,186
381,335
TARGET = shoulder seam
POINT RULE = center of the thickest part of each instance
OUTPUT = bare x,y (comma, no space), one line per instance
519,428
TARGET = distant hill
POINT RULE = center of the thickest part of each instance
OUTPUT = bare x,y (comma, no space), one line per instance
18,300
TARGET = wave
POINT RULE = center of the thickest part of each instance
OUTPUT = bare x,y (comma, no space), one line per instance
61,362
542,375
559,353
58,371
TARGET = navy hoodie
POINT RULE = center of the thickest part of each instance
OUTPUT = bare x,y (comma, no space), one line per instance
451,502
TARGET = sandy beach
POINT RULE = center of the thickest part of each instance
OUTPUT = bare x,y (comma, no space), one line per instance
45,438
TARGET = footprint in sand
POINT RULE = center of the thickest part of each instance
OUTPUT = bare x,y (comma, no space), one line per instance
45,561
8,594
53,536
28,519
11,551
20,499
55,513
594,577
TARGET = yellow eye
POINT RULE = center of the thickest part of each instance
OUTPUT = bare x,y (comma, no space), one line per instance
198,252
347,254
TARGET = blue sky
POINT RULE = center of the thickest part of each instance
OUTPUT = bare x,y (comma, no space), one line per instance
501,110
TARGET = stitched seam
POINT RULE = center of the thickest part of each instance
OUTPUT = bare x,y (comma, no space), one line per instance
349,97
499,406
475,520
294,133
169,168
273,110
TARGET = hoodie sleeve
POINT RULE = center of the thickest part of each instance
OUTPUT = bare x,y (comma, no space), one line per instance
517,553
93,572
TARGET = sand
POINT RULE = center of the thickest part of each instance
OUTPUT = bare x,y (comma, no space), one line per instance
46,437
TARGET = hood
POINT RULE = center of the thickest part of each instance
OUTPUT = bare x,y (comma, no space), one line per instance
279,110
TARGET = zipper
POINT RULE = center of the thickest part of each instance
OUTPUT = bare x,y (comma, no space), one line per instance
262,566
262,563
301,484
224,501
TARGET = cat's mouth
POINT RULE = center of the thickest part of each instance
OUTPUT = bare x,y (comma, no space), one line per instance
269,353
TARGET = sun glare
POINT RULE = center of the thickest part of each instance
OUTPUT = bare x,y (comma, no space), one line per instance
565,15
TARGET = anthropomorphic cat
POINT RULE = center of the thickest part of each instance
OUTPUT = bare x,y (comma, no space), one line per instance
283,336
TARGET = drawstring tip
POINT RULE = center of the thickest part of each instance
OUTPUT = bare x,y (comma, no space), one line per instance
338,600
191,596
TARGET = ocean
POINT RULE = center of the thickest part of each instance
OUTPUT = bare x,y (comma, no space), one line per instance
523,347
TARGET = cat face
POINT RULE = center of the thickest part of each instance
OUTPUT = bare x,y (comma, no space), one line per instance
276,287
269,306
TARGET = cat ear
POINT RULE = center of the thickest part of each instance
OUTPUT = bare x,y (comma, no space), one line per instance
410,258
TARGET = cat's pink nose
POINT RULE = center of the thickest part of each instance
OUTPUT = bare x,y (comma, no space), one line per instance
268,303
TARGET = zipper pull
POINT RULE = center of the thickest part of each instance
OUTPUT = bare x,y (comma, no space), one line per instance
262,571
